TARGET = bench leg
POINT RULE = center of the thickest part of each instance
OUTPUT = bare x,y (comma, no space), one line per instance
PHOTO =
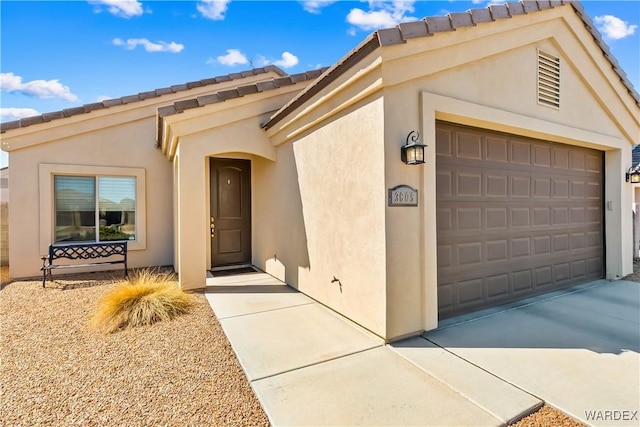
44,276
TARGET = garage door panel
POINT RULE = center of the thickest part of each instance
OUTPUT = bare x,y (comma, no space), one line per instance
594,163
469,254
541,217
468,184
444,183
515,217
468,146
594,191
444,147
469,219
522,281
498,286
541,155
520,153
497,250
543,276
496,219
496,149
470,292
578,269
560,158
542,187
496,185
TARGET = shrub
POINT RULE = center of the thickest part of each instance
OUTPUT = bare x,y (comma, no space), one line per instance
110,233
146,298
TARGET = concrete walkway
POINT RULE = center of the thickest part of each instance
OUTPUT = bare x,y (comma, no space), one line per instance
310,366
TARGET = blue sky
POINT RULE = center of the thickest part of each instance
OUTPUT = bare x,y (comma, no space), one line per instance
56,54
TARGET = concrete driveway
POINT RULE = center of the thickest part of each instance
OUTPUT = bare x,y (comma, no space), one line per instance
576,350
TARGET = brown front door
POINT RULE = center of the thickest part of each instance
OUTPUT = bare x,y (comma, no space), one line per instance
230,212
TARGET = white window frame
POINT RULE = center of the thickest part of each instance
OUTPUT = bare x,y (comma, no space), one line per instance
47,172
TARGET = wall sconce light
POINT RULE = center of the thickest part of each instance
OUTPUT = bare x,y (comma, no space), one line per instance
412,153
633,175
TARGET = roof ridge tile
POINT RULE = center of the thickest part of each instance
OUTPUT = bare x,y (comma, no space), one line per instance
461,19
516,8
437,24
499,11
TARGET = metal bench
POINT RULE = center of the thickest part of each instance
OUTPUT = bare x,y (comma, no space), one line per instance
84,251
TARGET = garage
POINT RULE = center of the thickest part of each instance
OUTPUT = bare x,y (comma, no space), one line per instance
516,217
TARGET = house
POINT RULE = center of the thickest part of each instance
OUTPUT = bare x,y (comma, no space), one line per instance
528,123
4,184
635,169
4,215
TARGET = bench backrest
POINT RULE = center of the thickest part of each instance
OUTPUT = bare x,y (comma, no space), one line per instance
88,250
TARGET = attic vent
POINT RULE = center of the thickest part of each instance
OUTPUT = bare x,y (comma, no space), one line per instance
548,79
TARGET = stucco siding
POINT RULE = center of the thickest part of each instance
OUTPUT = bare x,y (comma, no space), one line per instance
129,145
279,234
339,167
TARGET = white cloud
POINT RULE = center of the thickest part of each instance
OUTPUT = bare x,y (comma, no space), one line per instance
121,8
613,27
288,60
261,61
101,98
149,46
489,3
8,114
213,9
381,14
314,6
43,89
233,57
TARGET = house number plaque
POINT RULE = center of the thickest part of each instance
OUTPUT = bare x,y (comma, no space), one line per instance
403,195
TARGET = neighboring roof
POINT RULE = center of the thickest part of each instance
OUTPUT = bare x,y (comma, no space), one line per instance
68,112
237,92
635,157
432,25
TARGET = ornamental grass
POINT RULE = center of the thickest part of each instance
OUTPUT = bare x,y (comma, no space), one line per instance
145,298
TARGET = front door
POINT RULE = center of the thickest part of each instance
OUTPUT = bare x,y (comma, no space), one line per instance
230,220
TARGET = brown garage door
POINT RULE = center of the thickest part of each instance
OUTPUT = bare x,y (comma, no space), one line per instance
516,217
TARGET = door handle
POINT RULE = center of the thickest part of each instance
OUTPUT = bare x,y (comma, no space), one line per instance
213,227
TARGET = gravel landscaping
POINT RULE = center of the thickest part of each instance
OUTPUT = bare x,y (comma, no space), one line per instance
57,371
548,416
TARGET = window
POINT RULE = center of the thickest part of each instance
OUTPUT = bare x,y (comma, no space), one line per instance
82,202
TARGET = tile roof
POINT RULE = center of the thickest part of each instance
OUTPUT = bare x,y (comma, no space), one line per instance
432,25
237,92
68,112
